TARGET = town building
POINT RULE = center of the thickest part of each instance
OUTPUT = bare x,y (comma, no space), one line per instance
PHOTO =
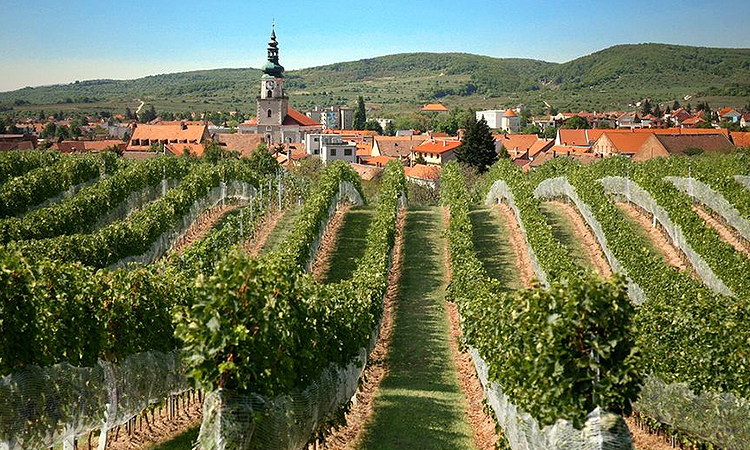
434,108
396,146
435,152
730,115
275,119
498,119
146,137
330,147
665,145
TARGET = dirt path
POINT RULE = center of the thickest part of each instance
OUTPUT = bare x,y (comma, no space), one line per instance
523,261
162,429
254,245
350,436
202,226
586,238
328,243
483,425
726,232
643,440
658,236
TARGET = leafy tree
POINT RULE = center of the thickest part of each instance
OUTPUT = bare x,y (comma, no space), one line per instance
689,108
360,116
263,161
2,126
129,114
126,136
503,152
646,107
603,125
575,123
675,105
477,146
390,129
62,132
550,133
41,115
213,153
531,129
657,111
49,130
373,125
420,160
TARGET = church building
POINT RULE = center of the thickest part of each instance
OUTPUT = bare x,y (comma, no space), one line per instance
275,120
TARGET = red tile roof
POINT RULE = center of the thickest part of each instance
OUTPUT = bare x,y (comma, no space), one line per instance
437,146
510,113
627,142
422,172
295,117
434,107
741,139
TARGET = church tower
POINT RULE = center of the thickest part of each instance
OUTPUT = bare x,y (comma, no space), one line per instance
272,101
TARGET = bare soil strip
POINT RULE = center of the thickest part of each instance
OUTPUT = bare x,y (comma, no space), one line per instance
162,428
587,239
202,226
658,236
483,425
644,440
350,435
254,245
328,243
725,231
523,261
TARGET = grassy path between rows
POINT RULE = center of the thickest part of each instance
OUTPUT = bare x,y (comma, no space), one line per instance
350,244
565,233
420,404
492,242
282,229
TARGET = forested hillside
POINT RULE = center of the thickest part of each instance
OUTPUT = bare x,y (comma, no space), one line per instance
608,79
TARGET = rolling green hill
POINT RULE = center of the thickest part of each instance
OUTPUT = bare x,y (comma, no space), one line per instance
608,79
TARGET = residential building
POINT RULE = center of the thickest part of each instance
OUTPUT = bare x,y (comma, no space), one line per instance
88,146
619,144
435,151
729,115
245,144
629,119
665,145
498,119
144,136
423,175
745,120
10,142
396,146
740,139
434,107
330,147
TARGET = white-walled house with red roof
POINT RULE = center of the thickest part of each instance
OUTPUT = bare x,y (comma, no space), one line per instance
501,119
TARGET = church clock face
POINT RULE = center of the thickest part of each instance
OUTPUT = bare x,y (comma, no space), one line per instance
270,84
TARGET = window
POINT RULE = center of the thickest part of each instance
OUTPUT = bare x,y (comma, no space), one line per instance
316,151
269,94
269,113
316,139
333,152
347,152
136,142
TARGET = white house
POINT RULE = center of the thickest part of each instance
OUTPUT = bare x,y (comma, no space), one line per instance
498,119
330,147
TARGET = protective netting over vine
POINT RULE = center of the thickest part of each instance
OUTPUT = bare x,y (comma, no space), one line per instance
631,192
240,422
721,419
42,407
71,191
703,193
232,189
251,421
602,430
560,187
135,201
744,179
501,191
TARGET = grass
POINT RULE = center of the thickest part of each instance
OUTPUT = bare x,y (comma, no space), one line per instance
563,231
182,441
493,247
350,245
283,227
419,404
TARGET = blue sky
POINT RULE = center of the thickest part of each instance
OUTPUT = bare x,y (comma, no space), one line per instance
45,42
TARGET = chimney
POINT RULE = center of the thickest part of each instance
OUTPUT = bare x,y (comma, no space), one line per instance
183,125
